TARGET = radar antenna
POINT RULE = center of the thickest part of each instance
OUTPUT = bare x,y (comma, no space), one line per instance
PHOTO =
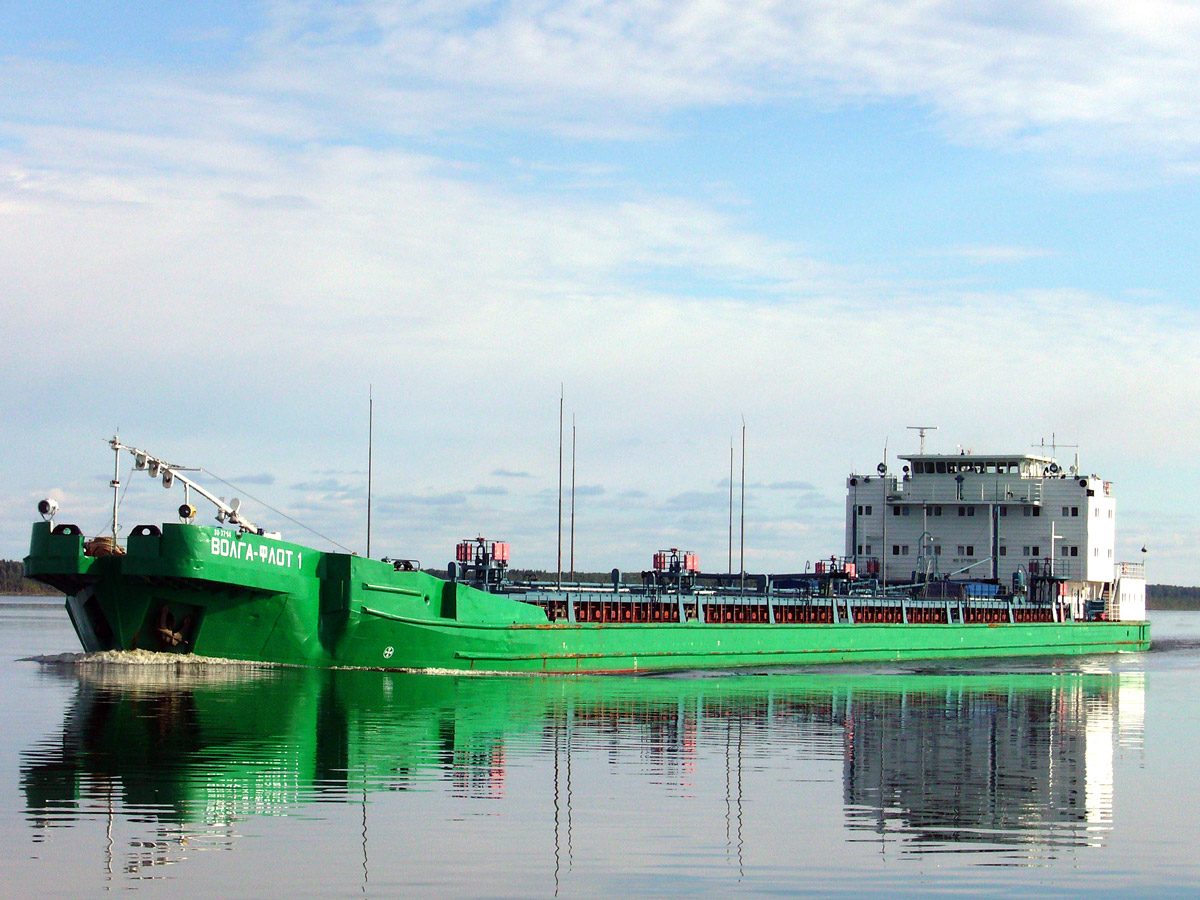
921,429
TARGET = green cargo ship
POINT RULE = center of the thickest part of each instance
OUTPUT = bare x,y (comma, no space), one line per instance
239,592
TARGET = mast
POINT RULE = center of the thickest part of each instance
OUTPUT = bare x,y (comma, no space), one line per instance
116,483
370,458
572,496
742,527
561,393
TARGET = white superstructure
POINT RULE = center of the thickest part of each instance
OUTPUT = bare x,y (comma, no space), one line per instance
994,517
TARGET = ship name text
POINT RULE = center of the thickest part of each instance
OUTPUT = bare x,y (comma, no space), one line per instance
232,548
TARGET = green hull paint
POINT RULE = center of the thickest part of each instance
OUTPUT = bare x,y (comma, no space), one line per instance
246,597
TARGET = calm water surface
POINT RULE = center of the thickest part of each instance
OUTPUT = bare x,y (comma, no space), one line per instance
1051,778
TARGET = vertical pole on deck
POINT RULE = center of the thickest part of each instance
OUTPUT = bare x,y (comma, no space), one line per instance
742,527
116,485
572,497
561,394
370,458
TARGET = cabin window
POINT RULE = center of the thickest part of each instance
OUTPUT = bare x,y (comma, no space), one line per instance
1028,511
1075,511
1004,551
868,549
1037,551
962,550
868,510
895,549
1110,552
970,510
937,549
937,510
1074,551
1024,551
1065,550
1004,510
1066,511
1037,511
895,510
906,510
904,549
941,468
970,550
962,510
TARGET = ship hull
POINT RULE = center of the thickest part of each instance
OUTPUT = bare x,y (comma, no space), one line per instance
212,592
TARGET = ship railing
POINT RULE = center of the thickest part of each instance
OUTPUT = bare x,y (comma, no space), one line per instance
1131,570
797,607
1026,492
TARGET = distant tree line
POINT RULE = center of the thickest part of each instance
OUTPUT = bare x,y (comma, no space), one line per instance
1172,596
14,582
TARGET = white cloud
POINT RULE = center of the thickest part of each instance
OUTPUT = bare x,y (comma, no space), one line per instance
993,254
1092,78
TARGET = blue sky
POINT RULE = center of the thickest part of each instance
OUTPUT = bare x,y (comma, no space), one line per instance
221,223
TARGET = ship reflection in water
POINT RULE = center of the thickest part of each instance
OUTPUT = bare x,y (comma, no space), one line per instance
1012,766
989,764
